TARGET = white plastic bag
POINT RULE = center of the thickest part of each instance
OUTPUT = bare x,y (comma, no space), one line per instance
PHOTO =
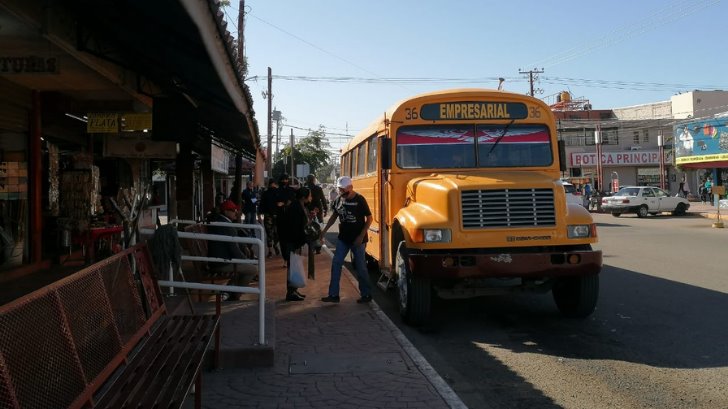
296,273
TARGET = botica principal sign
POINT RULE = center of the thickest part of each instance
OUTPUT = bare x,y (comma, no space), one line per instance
629,158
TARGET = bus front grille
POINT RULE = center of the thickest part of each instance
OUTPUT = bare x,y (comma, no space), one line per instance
507,208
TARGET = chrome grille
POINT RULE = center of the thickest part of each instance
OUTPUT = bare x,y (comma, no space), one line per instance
507,208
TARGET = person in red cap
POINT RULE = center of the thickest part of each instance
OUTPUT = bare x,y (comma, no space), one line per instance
227,249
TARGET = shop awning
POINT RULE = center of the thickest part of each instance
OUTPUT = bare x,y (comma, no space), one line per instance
182,47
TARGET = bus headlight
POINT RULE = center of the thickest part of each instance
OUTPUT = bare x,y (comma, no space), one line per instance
437,235
578,231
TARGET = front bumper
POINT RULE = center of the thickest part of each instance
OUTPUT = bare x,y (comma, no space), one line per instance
506,265
606,208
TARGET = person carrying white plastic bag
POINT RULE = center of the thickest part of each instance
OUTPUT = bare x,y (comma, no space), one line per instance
294,234
296,276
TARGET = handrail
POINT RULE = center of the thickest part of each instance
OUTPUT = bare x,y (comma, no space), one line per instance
260,290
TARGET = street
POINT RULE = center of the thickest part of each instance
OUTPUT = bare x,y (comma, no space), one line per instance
656,340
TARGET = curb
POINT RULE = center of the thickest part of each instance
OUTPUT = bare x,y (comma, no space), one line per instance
442,388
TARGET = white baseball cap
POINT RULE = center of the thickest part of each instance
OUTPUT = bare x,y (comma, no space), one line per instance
343,181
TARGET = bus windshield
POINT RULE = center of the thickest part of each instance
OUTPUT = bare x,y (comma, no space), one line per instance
470,146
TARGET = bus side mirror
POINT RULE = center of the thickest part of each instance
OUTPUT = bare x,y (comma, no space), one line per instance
386,153
562,156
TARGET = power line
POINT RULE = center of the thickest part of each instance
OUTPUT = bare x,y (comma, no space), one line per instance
310,44
387,80
585,82
323,130
627,85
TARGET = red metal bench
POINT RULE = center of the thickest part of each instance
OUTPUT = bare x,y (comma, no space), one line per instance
101,338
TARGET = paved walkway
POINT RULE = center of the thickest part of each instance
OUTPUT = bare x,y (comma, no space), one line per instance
707,210
344,355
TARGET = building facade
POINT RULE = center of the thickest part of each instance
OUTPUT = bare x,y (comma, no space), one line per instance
635,140
101,98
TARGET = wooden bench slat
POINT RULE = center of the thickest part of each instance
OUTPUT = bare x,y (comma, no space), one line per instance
151,378
181,374
162,362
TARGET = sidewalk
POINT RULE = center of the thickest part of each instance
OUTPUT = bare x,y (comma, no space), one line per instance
706,210
344,355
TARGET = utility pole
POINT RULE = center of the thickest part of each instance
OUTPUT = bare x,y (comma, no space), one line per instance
661,150
532,77
293,165
241,34
270,123
598,146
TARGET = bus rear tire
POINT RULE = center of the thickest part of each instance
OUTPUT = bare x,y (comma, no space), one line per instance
576,297
414,293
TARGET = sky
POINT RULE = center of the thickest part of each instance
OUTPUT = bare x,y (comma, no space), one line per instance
342,63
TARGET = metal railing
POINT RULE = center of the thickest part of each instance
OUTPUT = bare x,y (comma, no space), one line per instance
260,261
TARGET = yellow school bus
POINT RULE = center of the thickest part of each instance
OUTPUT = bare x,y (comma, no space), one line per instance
466,199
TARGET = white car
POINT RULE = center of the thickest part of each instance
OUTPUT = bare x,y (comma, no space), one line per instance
644,200
572,195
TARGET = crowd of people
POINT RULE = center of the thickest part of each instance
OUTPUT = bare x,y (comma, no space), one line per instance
292,219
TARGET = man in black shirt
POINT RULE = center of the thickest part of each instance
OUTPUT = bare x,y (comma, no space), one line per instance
355,218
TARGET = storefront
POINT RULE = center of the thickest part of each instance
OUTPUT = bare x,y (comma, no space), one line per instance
14,113
71,142
702,150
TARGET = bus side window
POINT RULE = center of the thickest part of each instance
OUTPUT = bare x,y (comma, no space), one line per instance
351,162
361,159
372,154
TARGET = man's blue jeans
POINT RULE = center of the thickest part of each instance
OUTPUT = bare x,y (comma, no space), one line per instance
360,265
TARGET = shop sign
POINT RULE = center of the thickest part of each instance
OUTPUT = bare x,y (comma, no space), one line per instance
136,121
139,147
627,158
29,64
219,159
701,141
103,122
702,158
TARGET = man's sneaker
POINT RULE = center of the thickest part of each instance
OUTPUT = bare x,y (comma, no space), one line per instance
364,299
330,299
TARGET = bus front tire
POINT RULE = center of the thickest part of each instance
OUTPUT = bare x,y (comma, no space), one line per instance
414,293
576,297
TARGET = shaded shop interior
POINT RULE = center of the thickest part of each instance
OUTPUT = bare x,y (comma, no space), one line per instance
159,113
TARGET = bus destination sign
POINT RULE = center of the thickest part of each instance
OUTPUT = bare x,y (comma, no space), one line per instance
473,110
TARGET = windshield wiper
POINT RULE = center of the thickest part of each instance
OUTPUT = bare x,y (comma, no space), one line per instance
501,135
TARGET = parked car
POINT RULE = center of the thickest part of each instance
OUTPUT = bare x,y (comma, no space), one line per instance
644,200
572,195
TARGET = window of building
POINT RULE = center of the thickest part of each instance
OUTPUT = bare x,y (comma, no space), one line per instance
646,136
636,137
